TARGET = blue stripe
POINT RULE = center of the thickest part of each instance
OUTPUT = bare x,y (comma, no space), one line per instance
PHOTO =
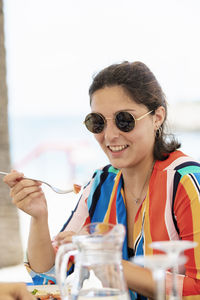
93,188
104,199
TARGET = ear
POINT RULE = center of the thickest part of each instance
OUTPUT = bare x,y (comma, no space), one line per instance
159,117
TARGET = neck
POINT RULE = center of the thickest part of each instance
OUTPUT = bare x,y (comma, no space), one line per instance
136,180
138,172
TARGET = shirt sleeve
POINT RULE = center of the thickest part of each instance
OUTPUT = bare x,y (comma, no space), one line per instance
80,214
41,278
187,212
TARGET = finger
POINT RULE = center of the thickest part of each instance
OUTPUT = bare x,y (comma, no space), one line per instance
12,178
25,192
66,240
20,292
5,297
64,237
64,234
23,184
11,291
27,203
24,295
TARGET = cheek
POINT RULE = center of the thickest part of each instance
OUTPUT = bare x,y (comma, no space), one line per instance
148,137
99,138
143,136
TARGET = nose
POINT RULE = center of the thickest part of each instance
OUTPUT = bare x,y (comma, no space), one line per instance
111,131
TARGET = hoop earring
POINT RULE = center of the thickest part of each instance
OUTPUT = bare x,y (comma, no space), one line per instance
158,133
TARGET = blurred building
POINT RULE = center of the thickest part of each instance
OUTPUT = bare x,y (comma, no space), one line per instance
184,116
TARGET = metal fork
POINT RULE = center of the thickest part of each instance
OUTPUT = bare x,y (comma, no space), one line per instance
76,188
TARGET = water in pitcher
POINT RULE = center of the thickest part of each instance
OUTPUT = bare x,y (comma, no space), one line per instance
107,294
98,272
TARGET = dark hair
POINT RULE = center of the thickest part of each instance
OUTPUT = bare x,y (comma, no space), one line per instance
141,85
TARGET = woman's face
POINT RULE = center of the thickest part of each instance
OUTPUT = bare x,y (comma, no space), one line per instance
124,149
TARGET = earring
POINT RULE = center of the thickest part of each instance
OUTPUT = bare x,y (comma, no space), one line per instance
158,133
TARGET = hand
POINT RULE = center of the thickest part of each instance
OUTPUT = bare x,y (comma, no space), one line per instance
15,291
26,194
64,237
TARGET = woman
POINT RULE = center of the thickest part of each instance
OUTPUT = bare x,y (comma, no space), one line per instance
150,186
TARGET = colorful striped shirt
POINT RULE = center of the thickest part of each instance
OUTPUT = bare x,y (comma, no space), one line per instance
170,211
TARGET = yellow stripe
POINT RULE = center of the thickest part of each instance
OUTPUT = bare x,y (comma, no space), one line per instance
147,234
146,227
117,178
194,297
123,196
195,209
138,224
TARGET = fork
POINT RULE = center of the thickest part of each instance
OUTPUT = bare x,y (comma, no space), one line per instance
76,188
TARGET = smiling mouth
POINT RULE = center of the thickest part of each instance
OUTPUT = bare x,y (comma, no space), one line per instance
117,148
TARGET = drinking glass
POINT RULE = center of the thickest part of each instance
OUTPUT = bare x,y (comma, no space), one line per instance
158,264
173,250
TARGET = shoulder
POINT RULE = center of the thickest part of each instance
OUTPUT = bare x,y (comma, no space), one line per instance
177,168
102,176
180,163
106,171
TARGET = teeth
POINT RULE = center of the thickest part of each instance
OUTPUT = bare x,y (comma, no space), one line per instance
117,148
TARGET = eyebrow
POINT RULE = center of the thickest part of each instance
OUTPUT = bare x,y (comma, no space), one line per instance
132,110
127,110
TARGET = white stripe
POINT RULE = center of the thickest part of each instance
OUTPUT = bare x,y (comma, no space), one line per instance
172,232
179,161
81,213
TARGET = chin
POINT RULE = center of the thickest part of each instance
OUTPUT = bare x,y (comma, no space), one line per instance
117,165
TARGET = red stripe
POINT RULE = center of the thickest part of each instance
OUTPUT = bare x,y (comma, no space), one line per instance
87,221
190,287
112,216
158,192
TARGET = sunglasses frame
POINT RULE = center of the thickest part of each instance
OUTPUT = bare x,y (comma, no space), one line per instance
105,120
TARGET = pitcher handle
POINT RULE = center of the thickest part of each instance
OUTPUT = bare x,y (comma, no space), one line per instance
62,258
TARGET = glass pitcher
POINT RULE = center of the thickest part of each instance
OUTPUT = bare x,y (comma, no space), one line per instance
98,273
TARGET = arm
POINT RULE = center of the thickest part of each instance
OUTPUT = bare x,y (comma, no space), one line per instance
187,212
14,291
41,255
139,279
28,196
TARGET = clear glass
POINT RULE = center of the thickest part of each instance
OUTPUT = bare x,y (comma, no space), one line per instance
174,250
158,264
98,270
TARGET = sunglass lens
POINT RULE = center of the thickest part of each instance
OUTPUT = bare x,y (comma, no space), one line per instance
125,121
94,123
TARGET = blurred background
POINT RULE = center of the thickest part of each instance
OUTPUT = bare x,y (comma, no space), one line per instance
54,47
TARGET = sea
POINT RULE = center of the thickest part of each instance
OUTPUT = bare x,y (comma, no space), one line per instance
54,148
60,150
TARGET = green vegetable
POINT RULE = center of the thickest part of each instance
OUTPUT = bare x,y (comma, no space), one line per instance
34,291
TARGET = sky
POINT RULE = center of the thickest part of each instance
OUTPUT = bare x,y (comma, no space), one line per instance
54,47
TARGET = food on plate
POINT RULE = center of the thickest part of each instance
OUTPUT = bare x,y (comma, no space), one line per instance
45,292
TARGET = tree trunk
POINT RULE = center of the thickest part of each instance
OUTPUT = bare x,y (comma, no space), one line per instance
10,242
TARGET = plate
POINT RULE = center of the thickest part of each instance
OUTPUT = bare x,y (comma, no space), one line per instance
45,291
48,287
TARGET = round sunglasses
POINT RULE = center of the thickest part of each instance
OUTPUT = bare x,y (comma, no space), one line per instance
125,121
